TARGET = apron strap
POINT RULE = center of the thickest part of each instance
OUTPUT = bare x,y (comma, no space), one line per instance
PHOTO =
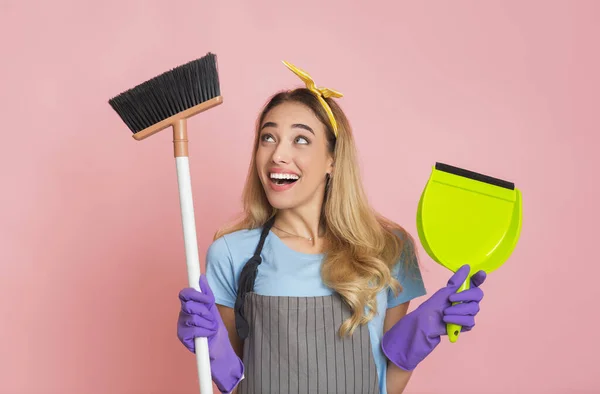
246,282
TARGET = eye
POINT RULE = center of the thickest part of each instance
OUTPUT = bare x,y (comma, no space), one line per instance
302,140
265,137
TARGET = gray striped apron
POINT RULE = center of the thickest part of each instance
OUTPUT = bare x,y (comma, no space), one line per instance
292,345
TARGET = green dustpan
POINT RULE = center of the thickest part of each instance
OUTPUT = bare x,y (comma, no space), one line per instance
468,218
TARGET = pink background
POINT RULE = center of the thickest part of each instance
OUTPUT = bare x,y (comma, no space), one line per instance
92,249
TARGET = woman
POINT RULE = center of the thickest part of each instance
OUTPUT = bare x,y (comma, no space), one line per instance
311,288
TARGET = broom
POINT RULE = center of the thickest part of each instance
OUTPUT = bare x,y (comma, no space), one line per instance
168,100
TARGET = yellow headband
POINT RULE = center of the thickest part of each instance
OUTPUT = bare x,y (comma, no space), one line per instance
321,93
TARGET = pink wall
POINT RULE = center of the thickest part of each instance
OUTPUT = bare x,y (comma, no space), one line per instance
92,251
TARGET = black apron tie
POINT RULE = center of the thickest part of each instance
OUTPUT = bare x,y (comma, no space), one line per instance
246,282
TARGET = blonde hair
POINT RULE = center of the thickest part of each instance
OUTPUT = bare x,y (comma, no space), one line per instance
362,246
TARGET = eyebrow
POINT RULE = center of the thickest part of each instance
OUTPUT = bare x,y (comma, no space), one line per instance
295,125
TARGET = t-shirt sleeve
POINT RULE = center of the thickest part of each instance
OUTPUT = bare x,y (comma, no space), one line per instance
407,272
220,273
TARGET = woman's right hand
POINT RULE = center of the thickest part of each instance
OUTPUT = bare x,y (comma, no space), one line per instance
199,317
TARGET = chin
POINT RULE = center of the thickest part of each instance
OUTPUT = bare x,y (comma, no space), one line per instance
281,202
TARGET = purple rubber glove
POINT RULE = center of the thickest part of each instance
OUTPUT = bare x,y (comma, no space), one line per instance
199,317
414,336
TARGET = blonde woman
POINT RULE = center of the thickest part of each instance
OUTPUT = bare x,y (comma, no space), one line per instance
309,292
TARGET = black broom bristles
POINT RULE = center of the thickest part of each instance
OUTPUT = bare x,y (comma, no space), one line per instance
169,93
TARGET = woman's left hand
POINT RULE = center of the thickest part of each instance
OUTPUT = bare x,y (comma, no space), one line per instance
463,314
414,336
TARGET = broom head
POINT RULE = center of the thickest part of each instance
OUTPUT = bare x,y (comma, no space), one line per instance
169,97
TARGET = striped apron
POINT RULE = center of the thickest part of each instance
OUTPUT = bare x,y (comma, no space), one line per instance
292,345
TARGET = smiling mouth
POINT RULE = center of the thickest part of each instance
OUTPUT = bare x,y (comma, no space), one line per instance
283,179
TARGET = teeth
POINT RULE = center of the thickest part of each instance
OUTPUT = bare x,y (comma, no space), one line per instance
274,175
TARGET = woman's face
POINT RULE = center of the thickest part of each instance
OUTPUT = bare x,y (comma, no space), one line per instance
293,157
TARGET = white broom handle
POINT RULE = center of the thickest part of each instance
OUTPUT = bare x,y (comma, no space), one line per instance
193,263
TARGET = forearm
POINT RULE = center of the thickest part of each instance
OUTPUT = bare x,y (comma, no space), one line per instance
238,348
396,379
237,345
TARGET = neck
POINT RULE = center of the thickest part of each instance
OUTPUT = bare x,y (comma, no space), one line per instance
302,221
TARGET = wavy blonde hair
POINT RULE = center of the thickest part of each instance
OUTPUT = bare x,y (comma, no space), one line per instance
361,245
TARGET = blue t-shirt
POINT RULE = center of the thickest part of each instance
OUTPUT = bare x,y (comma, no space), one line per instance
286,272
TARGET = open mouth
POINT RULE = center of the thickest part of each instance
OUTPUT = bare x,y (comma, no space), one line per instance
283,179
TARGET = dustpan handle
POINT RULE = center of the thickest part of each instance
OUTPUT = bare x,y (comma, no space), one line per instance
452,329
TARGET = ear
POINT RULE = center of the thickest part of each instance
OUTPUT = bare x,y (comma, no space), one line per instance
330,163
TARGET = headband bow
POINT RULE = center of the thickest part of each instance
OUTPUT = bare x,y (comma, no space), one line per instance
321,93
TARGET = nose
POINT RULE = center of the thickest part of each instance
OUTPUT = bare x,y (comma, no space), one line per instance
281,154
